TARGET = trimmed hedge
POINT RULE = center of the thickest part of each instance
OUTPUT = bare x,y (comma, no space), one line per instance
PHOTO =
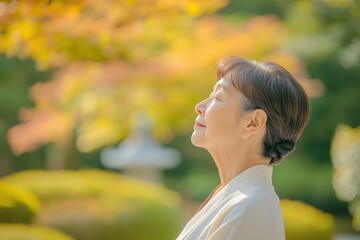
303,221
17,205
94,204
30,232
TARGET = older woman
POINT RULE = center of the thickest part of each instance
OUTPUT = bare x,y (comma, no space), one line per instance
250,122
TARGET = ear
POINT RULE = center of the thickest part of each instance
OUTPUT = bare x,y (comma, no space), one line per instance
255,123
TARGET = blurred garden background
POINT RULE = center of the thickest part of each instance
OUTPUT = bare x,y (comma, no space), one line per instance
74,76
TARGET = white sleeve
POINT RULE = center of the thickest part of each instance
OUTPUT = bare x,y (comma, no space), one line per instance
245,221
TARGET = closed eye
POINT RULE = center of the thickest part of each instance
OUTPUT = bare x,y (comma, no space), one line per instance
216,96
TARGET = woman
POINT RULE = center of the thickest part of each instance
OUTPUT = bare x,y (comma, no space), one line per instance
250,122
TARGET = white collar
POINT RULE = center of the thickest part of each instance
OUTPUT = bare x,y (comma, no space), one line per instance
258,173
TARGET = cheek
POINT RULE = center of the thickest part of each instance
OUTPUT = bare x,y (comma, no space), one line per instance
221,120
213,116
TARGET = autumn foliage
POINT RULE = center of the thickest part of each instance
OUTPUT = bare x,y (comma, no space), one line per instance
113,58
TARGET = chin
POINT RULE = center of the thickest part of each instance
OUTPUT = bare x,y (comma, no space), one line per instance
197,140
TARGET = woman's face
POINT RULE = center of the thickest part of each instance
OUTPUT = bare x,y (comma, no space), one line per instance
220,117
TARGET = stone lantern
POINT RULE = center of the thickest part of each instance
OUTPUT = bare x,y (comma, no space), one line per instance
140,155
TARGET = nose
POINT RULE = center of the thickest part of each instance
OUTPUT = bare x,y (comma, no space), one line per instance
200,108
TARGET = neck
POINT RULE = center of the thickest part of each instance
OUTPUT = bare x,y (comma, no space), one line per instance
232,162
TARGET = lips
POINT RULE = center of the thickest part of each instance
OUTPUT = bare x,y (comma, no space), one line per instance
197,124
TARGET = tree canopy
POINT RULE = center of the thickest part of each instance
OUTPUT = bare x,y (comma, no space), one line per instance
113,58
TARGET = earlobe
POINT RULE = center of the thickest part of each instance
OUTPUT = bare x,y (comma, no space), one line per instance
256,121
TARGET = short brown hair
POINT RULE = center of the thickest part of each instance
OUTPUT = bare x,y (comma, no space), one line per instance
273,89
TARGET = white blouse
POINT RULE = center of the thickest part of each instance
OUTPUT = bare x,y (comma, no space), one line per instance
247,208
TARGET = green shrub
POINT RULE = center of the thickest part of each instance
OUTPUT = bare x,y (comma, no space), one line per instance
354,208
56,185
94,205
17,205
30,232
303,221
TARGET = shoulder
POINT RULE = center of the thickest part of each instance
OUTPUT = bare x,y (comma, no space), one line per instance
261,209
256,205
251,217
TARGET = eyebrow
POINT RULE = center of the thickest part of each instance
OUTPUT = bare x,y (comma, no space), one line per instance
222,86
